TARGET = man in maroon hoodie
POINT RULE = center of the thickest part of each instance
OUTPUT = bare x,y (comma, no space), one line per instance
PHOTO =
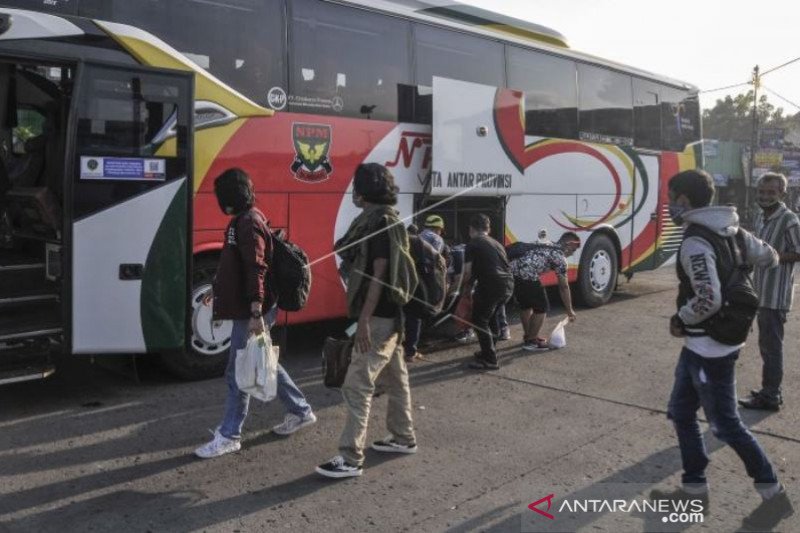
239,295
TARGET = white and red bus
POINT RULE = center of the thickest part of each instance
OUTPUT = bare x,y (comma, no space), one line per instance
471,110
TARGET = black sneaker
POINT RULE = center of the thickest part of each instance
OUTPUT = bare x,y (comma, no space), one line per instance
761,402
680,495
481,364
769,513
392,446
338,468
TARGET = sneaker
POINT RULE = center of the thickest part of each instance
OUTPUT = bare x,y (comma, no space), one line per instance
769,513
292,422
414,358
392,446
218,446
338,468
761,403
481,364
679,495
466,336
536,345
505,334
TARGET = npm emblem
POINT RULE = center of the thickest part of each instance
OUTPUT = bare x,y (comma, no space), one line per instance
123,168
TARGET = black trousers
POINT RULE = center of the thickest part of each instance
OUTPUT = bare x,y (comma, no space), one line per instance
485,302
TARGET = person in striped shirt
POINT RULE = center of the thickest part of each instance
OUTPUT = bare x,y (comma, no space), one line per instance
780,228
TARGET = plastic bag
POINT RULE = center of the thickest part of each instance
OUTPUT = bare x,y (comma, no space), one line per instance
558,339
257,368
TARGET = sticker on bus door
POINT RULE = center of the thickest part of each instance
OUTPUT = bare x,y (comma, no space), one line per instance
123,168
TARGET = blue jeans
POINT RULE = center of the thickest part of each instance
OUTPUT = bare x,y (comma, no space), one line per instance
770,344
237,402
711,383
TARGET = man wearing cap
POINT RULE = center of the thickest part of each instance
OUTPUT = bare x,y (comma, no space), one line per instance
432,234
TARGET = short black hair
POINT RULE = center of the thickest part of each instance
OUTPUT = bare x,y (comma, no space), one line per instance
375,184
234,191
569,236
696,185
480,222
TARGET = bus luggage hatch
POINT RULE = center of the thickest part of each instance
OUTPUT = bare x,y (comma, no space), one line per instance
475,145
130,197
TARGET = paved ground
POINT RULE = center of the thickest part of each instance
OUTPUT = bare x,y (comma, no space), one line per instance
93,451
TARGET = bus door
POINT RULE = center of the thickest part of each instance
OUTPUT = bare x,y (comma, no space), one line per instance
128,200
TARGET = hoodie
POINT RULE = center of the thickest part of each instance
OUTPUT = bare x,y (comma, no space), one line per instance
699,262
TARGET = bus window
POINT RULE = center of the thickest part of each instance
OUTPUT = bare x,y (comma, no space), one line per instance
646,114
242,41
551,99
450,54
346,61
680,119
66,7
606,105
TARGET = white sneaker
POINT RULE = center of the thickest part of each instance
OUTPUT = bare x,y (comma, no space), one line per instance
219,445
292,423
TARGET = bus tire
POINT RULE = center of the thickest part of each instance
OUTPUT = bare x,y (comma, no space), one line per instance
597,272
206,356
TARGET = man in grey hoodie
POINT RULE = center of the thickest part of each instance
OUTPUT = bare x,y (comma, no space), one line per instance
705,372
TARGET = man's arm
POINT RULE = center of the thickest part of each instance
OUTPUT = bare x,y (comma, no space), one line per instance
253,251
566,297
363,340
792,239
699,262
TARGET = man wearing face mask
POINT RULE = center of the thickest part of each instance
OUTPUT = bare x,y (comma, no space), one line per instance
779,227
705,373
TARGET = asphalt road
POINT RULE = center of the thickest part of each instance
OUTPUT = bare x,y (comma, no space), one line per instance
91,450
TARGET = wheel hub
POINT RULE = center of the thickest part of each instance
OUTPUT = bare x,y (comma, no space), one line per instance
209,336
600,271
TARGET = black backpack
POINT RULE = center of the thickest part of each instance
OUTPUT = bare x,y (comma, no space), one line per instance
429,296
732,323
288,280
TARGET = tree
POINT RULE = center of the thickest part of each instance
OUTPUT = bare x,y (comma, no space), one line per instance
731,118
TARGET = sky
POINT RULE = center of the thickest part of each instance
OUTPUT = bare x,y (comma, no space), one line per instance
708,43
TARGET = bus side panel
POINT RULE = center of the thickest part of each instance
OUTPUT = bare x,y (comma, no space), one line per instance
306,162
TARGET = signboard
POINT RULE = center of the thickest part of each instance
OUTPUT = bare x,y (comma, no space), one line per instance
710,148
123,168
772,138
769,158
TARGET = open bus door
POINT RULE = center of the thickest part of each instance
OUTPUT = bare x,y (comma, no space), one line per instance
128,207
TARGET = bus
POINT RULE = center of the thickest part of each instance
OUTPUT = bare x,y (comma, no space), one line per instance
116,116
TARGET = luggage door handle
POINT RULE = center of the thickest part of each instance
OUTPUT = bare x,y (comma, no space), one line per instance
131,271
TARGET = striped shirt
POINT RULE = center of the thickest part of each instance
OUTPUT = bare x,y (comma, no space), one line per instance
776,285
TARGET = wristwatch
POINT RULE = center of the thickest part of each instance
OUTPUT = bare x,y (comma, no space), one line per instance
255,314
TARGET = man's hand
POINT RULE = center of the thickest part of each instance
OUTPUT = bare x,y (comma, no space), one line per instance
571,315
676,327
208,298
363,338
256,326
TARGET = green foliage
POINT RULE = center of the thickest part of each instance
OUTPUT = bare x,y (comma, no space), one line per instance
731,118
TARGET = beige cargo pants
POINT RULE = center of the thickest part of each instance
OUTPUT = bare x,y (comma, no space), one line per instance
386,356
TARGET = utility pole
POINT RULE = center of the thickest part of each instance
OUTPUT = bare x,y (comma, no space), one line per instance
753,144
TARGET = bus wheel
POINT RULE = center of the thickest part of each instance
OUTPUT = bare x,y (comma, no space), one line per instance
597,273
207,353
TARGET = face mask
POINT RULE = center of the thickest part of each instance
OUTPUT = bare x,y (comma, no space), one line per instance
676,213
766,204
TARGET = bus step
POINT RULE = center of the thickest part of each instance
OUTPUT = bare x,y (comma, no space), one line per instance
21,297
22,277
32,321
29,371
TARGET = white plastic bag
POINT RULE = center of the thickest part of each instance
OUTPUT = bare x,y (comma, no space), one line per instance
558,339
257,368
